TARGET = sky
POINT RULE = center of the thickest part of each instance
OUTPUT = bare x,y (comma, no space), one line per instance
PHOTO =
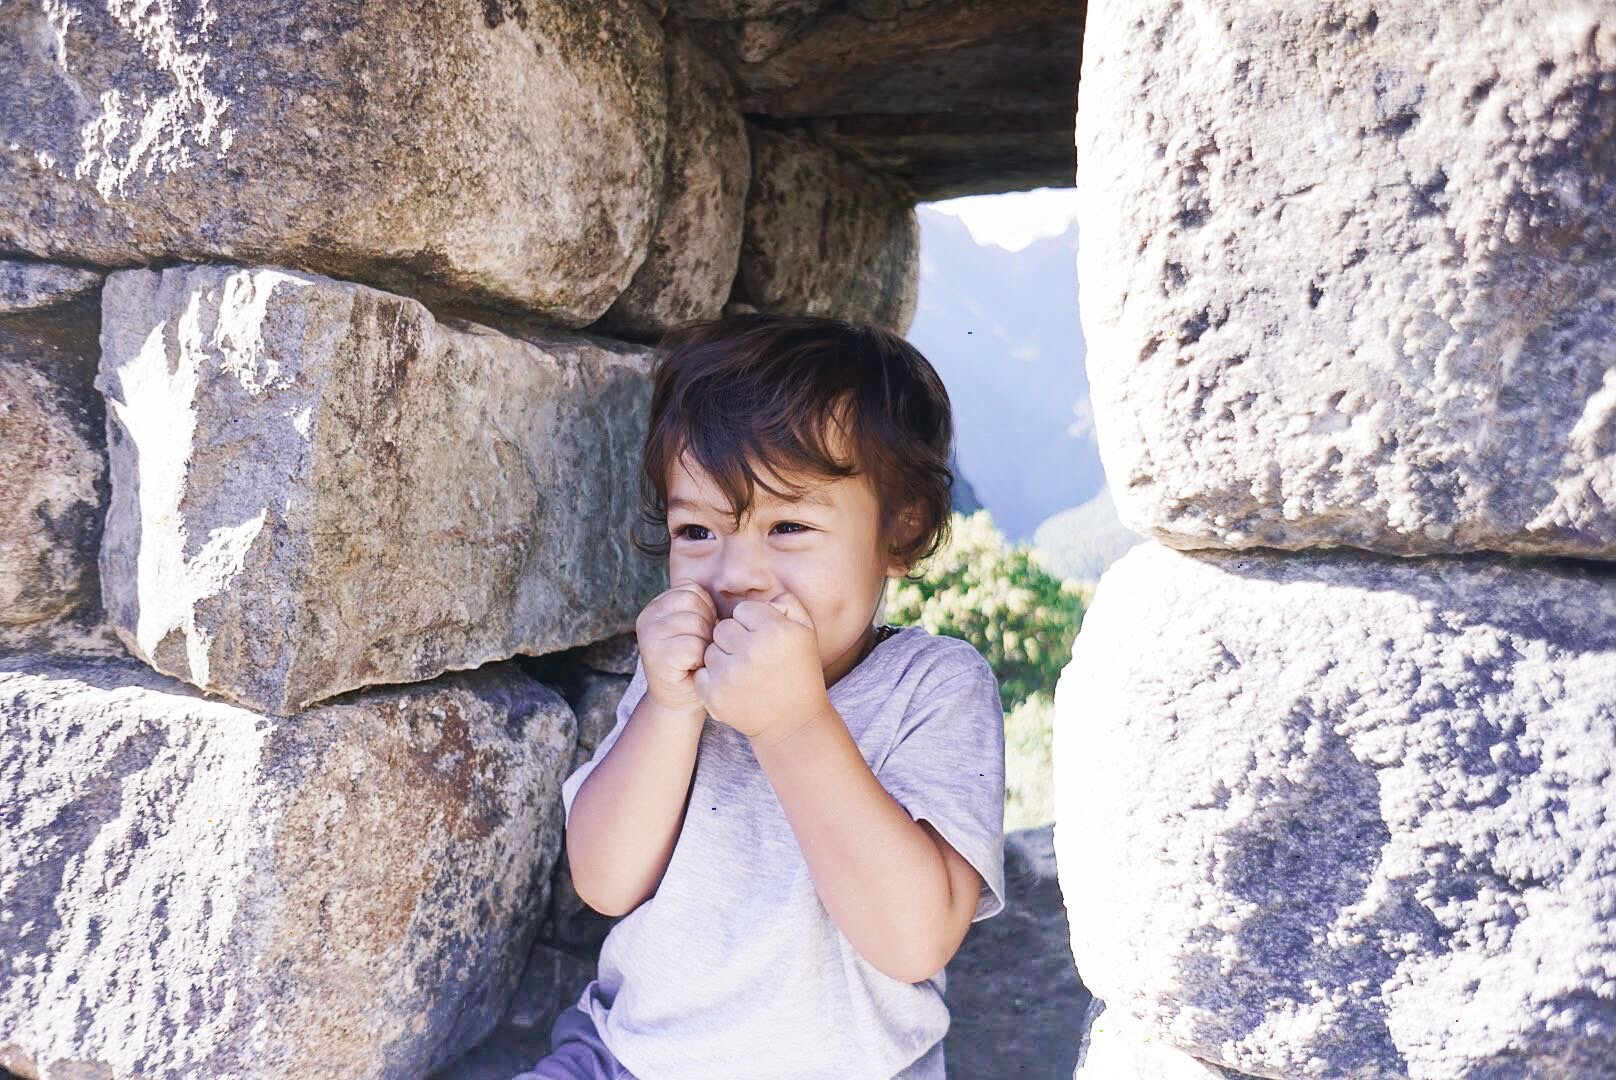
1016,218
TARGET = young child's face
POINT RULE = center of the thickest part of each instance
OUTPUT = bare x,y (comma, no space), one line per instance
823,548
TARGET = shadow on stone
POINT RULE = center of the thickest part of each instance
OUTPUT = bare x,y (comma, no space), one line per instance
1014,994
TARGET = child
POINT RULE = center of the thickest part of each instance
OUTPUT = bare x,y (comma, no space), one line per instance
798,812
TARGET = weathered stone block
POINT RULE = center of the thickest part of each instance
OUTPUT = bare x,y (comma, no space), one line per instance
596,706
951,97
26,286
552,982
192,889
1111,1052
1346,815
317,486
53,482
744,9
614,656
690,264
509,153
1346,273
825,236
53,485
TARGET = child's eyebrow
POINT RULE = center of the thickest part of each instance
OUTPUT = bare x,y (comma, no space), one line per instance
812,498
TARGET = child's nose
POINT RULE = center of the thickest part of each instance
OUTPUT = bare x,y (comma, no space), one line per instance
743,572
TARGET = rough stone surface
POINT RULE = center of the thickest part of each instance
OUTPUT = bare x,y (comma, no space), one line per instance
593,697
1110,1052
1347,273
595,704
1353,810
691,261
53,482
553,980
953,97
192,889
744,9
26,286
507,152
614,656
317,486
1014,998
825,236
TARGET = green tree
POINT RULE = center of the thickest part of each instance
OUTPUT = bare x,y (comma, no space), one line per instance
1029,771
1001,599
1022,619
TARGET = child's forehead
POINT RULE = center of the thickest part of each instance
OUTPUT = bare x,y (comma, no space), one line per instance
688,481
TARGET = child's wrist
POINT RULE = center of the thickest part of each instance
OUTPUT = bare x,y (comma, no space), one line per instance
669,713
787,729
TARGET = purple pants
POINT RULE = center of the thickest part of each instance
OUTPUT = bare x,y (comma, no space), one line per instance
576,1053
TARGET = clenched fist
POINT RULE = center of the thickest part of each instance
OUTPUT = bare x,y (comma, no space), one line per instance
761,674
674,630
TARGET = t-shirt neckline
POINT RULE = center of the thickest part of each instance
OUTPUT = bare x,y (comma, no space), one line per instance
884,633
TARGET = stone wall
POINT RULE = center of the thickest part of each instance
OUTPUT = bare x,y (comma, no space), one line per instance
1334,754
325,334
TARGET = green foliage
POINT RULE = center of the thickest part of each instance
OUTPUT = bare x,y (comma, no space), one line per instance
1022,618
1001,599
1029,772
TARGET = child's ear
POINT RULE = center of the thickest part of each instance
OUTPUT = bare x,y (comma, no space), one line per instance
908,528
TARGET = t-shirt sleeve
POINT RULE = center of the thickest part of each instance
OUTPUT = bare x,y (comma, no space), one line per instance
625,708
947,767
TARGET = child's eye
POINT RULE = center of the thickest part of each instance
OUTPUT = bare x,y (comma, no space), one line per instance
792,525
683,532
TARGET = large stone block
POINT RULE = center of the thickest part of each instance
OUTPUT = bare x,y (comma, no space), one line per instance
744,9
508,153
690,265
53,471
552,982
1346,272
317,486
1111,1052
596,706
191,889
952,97
613,656
1346,816
825,236
28,286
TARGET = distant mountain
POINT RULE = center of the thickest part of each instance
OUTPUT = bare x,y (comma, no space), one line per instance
963,494
1081,542
1001,329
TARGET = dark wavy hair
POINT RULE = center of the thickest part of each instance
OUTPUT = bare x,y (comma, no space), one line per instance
752,389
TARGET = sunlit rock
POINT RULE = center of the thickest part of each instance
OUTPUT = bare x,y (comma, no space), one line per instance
505,153
1346,815
1347,273
318,486
193,889
690,263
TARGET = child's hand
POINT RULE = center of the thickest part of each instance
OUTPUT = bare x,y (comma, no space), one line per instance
674,631
762,674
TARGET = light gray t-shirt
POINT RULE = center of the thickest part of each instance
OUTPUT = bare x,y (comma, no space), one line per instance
733,969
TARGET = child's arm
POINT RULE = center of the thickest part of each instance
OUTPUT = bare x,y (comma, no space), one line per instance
903,901
628,813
